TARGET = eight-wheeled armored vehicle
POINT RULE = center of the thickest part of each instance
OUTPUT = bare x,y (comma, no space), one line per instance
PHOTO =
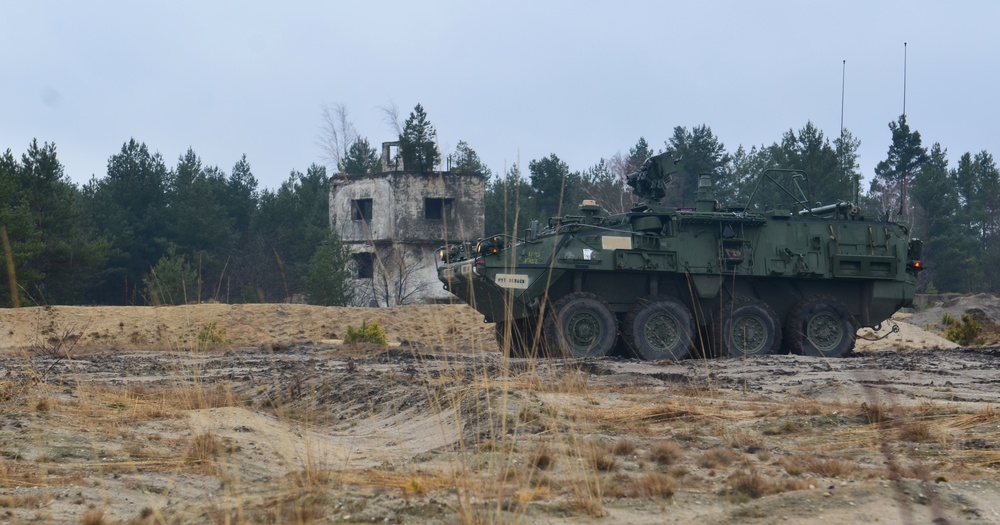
706,281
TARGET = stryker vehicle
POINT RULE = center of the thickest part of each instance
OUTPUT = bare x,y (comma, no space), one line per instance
671,282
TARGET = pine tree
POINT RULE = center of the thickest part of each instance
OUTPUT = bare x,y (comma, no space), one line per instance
417,143
361,159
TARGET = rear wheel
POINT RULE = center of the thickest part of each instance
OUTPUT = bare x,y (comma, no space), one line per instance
748,327
659,327
821,327
580,325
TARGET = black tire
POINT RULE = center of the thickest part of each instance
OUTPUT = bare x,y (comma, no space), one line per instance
821,327
580,325
522,338
747,327
659,327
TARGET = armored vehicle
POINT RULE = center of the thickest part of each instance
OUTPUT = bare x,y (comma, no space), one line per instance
707,281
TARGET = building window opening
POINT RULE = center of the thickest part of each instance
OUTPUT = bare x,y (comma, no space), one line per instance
364,265
437,208
361,210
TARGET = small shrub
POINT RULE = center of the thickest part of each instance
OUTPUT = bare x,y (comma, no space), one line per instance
965,333
212,335
370,333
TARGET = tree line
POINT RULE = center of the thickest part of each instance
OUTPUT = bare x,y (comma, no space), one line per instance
148,233
955,210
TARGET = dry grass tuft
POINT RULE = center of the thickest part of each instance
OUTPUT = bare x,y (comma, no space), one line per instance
43,405
751,484
93,517
784,428
717,457
197,397
875,413
298,508
666,452
598,456
826,467
22,501
586,499
740,438
916,431
623,447
655,485
204,448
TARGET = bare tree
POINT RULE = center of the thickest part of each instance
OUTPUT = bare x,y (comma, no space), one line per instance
337,134
390,115
615,195
395,281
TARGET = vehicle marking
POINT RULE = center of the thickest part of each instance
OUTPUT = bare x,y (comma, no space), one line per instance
615,242
517,281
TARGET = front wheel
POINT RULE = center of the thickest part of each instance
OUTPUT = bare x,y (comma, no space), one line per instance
821,327
580,325
748,327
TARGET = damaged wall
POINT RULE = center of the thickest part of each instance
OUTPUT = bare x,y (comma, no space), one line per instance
407,213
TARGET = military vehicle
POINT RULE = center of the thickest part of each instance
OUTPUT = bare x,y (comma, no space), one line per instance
671,283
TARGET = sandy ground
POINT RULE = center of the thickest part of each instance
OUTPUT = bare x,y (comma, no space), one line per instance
127,415
178,327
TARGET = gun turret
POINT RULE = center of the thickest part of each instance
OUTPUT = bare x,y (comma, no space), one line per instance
650,182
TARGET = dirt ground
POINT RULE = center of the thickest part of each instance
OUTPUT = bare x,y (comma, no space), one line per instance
259,414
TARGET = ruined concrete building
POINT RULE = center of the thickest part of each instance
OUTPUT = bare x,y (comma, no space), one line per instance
395,221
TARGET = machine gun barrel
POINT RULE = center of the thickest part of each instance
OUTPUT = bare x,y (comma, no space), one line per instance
829,208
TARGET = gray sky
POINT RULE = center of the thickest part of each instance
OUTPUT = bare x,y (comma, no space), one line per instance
516,80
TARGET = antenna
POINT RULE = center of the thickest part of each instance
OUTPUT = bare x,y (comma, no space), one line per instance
843,148
904,79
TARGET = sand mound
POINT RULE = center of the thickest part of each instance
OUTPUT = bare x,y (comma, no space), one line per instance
185,327
242,324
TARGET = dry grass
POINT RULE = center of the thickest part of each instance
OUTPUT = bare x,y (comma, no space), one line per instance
542,458
916,431
717,457
826,467
655,485
204,448
666,452
623,447
93,517
549,449
23,501
599,457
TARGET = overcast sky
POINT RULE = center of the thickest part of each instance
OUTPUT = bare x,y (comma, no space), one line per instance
516,80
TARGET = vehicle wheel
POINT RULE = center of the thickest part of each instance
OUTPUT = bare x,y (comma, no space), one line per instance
522,338
659,327
748,327
821,327
580,325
